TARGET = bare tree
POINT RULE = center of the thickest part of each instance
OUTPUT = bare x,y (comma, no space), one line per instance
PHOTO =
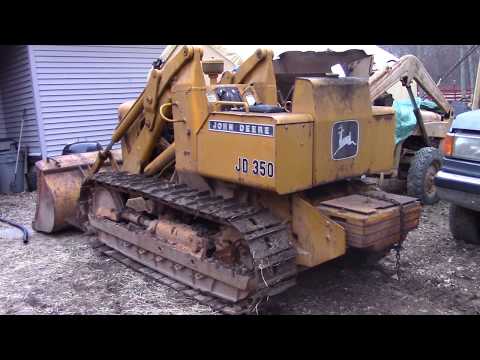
437,59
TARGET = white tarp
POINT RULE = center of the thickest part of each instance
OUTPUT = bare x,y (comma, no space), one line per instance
234,55
380,56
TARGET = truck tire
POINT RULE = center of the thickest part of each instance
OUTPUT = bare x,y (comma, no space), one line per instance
463,224
423,168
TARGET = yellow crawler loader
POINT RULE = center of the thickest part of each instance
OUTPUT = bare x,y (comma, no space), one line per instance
224,195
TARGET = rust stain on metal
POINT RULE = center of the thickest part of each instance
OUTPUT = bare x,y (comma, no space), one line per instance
59,181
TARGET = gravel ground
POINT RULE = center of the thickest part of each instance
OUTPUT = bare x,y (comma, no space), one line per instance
61,274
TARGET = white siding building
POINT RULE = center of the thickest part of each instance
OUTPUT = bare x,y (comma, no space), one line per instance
68,93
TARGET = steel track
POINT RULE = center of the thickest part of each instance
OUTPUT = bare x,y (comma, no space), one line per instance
266,236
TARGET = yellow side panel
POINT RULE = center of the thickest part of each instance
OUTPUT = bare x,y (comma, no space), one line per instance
280,163
334,103
383,144
184,145
294,157
190,105
319,239
229,156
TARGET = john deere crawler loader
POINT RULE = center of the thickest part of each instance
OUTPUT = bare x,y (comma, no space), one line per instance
224,195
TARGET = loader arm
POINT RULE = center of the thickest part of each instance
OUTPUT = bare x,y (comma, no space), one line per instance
256,70
138,154
140,130
407,69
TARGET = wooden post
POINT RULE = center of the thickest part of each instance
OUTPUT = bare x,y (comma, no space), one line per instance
462,73
476,91
471,71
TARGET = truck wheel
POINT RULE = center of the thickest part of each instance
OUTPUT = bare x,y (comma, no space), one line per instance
423,168
463,224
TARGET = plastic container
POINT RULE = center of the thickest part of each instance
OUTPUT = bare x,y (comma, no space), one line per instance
8,144
8,182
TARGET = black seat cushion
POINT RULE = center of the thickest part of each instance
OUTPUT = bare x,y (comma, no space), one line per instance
262,108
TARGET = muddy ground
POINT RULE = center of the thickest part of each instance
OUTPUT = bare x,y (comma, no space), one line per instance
61,274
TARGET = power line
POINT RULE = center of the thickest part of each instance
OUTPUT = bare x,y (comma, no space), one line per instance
458,63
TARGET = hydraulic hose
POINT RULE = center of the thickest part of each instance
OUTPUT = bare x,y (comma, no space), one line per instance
18,226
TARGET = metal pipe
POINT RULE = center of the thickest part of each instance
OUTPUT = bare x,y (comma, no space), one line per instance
122,128
418,116
127,121
164,117
19,148
161,161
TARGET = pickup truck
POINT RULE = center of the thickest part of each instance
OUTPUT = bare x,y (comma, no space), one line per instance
458,182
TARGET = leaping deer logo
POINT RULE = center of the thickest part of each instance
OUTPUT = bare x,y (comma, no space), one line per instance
344,141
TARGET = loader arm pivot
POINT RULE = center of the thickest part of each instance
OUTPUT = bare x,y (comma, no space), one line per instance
407,69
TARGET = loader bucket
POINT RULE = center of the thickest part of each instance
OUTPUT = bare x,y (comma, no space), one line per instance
59,180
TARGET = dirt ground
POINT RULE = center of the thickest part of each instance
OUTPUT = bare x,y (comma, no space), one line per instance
61,274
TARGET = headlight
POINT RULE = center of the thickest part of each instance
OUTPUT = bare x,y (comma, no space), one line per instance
463,146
